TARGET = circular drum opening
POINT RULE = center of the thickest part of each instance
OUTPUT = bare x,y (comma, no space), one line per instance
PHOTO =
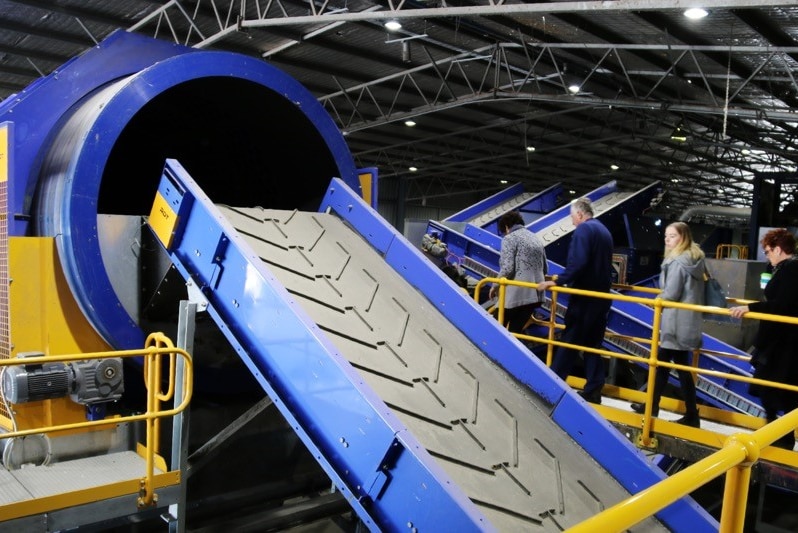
245,131
243,143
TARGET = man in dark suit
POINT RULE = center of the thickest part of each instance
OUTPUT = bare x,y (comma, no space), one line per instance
589,267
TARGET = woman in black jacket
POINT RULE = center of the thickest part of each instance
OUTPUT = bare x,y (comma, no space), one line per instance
774,348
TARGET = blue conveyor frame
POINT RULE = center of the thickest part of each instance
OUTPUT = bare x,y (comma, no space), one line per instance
387,476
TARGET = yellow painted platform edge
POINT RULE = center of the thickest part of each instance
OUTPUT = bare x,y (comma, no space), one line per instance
99,493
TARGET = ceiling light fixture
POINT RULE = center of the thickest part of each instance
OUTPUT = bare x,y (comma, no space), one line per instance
530,148
614,167
696,13
678,135
393,25
412,169
574,88
406,56
503,182
410,123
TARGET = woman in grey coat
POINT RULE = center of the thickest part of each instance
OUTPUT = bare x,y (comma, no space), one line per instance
681,280
522,258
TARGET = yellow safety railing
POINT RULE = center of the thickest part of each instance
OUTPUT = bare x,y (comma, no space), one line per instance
735,459
739,452
725,250
157,346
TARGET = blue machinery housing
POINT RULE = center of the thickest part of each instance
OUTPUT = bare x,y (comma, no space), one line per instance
92,139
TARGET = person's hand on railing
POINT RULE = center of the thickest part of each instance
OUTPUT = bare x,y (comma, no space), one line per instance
738,311
546,285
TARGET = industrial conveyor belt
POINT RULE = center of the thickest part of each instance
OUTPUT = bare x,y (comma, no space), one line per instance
550,230
470,445
492,437
508,205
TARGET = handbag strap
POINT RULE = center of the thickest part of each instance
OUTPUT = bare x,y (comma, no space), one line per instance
707,275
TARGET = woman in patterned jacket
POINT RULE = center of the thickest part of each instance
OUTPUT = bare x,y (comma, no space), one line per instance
523,258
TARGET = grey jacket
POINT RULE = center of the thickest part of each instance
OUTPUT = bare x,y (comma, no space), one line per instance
522,258
682,280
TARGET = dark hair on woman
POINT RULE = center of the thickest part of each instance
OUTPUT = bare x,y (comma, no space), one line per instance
780,237
508,220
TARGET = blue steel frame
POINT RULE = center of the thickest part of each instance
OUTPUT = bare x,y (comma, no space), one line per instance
152,67
386,475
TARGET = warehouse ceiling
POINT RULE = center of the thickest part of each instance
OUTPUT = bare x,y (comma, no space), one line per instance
576,93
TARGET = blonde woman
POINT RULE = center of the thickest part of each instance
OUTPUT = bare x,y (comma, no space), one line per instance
681,280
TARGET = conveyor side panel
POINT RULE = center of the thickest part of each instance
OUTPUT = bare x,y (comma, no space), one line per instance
531,206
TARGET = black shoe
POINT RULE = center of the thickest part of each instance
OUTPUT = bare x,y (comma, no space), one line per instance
592,398
640,408
694,421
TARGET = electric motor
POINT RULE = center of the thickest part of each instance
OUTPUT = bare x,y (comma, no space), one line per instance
85,382
31,383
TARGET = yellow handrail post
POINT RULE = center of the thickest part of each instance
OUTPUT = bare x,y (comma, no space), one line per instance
738,478
645,437
552,327
150,375
153,376
735,494
500,301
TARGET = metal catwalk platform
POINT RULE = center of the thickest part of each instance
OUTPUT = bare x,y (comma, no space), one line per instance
104,486
495,439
